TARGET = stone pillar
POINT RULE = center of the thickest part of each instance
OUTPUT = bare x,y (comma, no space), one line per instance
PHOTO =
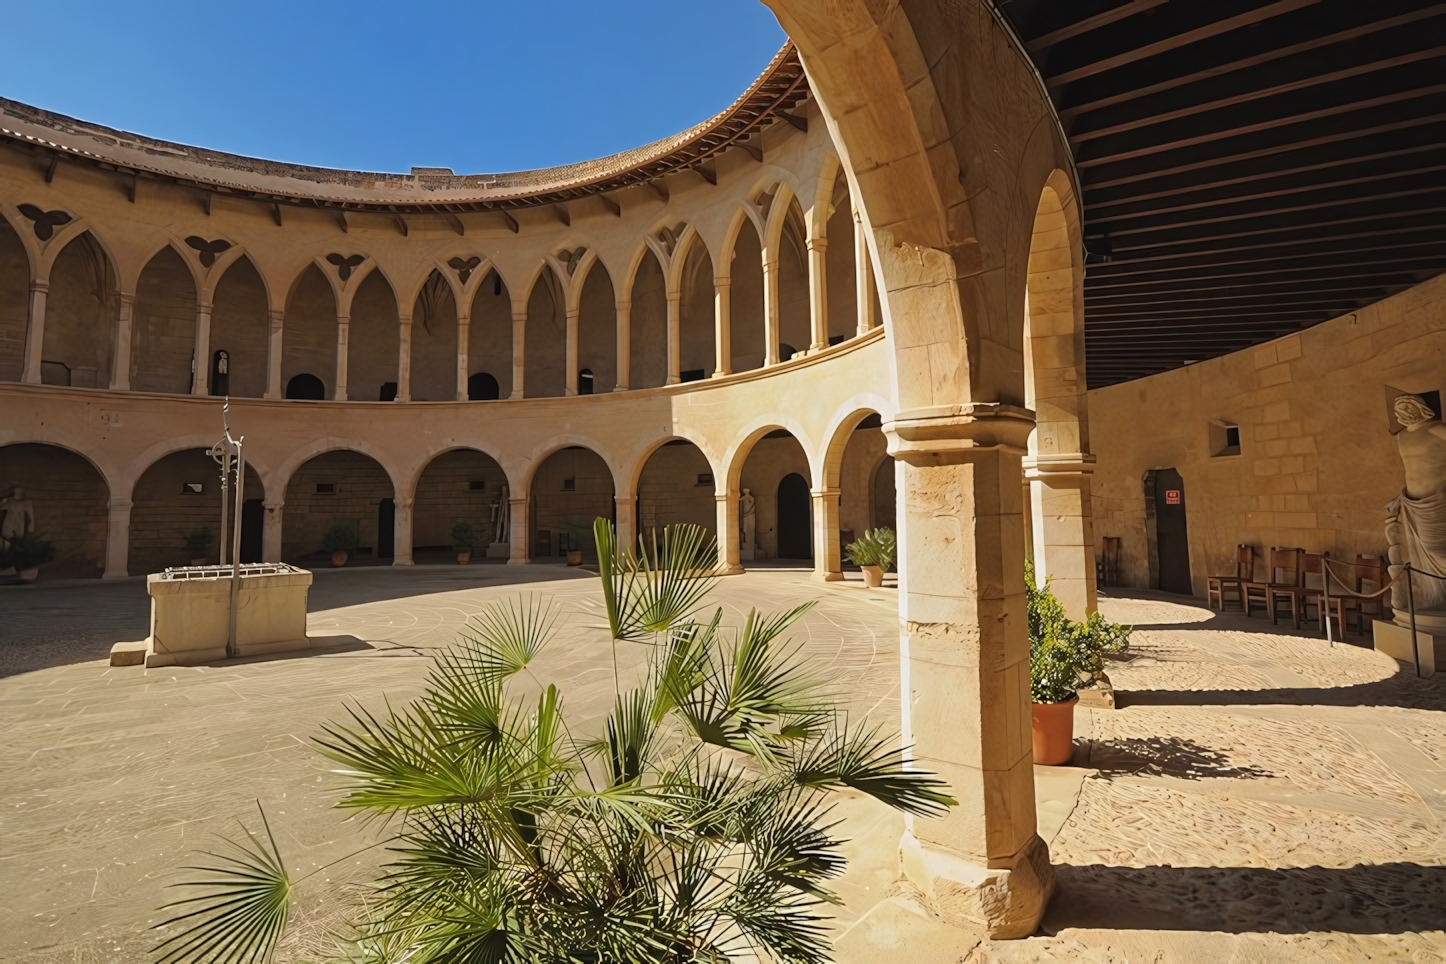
818,292
675,337
722,327
1062,528
201,362
404,356
827,562
521,531
343,327
964,653
728,534
273,361
625,345
863,276
519,351
118,539
626,509
35,333
570,386
464,343
402,531
271,531
771,321
120,378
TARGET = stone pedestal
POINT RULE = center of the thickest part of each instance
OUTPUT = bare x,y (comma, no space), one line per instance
1394,640
191,613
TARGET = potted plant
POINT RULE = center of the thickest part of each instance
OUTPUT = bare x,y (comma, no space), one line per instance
462,540
568,542
874,552
198,546
1064,657
27,552
340,540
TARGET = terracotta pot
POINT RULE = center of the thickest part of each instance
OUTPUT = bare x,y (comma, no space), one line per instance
873,576
28,575
1052,727
464,557
574,558
338,558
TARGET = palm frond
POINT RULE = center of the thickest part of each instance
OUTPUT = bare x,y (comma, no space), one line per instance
647,592
867,762
240,918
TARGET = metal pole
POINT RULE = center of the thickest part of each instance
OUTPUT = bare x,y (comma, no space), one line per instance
1325,568
1411,604
236,546
225,505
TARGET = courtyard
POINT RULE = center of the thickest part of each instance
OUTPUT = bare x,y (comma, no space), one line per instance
1256,795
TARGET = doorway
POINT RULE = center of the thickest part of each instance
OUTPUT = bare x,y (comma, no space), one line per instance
795,519
386,529
253,517
1172,542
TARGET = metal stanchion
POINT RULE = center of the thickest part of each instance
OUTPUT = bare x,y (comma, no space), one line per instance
227,452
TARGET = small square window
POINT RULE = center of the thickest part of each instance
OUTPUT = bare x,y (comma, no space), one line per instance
326,488
705,478
192,488
569,485
477,485
1224,439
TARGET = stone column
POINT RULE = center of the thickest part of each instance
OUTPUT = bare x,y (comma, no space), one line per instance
402,531
120,378
964,653
570,386
675,337
404,356
35,332
863,276
343,327
625,345
722,327
519,351
118,539
464,343
771,321
626,509
521,531
1062,528
827,563
271,531
273,360
818,292
728,535
201,365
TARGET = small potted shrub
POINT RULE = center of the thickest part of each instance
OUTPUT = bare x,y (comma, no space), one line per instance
462,540
198,546
27,552
1064,657
340,540
874,552
568,542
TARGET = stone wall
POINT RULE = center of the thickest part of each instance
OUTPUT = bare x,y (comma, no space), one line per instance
490,336
240,325
14,303
164,326
546,345
358,486
597,331
648,341
571,489
747,300
165,511
1317,463
69,500
460,486
771,459
858,483
80,317
676,486
309,335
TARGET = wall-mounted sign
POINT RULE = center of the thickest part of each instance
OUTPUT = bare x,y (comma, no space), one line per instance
1172,496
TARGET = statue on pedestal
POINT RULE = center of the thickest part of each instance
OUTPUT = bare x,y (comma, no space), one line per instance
748,521
1416,519
17,516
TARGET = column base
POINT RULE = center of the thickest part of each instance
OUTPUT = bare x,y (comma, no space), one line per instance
727,570
1005,902
826,576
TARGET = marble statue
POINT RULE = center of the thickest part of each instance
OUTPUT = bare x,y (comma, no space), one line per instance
503,527
748,517
17,516
1416,519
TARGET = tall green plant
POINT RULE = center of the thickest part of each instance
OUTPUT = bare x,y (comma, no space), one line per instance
1064,655
693,825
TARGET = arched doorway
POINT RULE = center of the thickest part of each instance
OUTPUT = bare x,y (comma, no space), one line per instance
571,488
334,487
795,518
306,386
67,505
773,457
676,486
1170,538
176,513
482,387
461,486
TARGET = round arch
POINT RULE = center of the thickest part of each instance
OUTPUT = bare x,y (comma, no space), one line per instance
338,483
452,486
175,517
65,498
567,490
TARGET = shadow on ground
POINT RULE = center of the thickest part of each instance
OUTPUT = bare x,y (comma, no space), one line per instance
1403,690
1161,756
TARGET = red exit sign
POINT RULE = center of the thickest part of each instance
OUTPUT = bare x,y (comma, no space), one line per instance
1172,496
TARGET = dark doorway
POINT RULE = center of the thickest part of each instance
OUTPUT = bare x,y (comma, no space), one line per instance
388,392
306,387
1172,539
584,382
253,517
221,372
386,529
795,522
482,387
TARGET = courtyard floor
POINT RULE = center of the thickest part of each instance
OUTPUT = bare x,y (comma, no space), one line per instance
1256,796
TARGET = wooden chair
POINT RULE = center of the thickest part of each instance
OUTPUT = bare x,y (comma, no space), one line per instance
1281,561
1369,574
1217,586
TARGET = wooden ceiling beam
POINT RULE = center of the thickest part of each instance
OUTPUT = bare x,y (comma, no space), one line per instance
1090,23
1270,212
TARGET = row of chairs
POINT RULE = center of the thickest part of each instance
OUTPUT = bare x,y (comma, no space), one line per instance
1295,581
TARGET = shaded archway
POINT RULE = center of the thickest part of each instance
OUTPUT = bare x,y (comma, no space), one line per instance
163,336
570,489
597,332
794,335
840,256
80,318
463,485
307,387
69,501
648,341
865,481
14,302
772,458
179,496
489,336
697,349
337,486
240,325
746,314
482,387
309,333
545,350
434,342
676,486
374,342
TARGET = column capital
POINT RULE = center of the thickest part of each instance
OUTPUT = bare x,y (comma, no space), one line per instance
818,243
127,297
116,504
942,434
38,285
273,506
1069,465
825,493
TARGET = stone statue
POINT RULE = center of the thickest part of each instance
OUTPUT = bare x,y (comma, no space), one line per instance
17,516
504,519
748,517
1416,519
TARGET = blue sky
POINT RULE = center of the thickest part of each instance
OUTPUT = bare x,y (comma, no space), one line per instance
480,86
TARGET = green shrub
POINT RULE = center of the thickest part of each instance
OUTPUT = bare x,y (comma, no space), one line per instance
28,550
876,547
341,537
198,543
1064,655
462,537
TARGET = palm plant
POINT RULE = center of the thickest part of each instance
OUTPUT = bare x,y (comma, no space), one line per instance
694,826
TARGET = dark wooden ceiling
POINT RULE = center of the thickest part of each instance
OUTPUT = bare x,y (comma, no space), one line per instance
1249,167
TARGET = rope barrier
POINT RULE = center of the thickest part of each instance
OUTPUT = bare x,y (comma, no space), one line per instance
1411,573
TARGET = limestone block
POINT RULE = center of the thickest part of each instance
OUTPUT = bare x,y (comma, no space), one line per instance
1005,902
1395,641
129,654
191,613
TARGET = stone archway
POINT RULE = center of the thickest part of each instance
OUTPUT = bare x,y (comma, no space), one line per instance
68,499
335,487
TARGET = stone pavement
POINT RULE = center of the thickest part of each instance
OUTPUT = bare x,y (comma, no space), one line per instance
1259,796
